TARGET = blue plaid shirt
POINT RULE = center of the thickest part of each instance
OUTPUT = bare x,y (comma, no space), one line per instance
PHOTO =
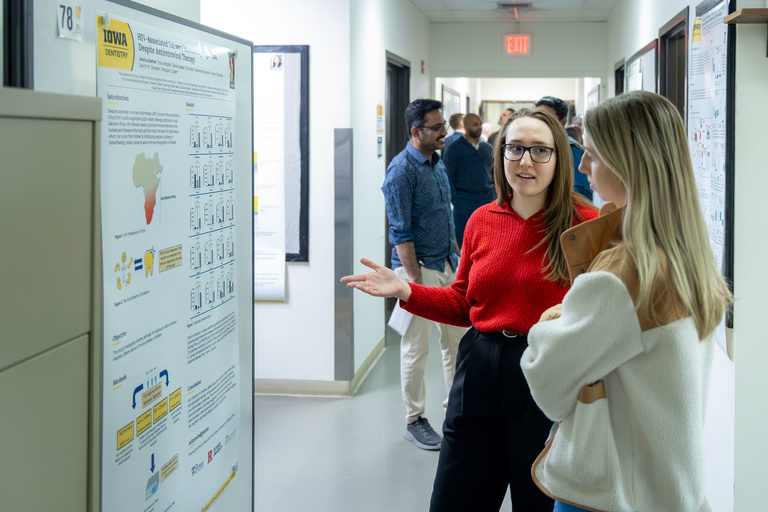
418,199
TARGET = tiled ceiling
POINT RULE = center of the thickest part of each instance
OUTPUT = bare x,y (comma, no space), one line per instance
454,11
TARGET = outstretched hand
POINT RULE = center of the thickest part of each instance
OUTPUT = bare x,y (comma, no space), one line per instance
382,282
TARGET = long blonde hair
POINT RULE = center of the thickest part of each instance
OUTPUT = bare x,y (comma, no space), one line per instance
559,209
640,136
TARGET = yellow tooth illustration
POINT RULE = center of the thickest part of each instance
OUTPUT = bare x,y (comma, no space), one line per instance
119,286
149,259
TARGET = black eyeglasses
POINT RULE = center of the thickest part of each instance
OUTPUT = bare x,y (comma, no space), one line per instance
436,128
539,154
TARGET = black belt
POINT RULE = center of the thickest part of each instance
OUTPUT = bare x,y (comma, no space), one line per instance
509,333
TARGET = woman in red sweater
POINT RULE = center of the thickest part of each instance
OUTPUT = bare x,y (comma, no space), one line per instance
511,271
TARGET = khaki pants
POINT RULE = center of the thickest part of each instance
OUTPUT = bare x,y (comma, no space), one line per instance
414,347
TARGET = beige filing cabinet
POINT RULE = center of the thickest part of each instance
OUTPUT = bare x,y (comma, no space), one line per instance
48,283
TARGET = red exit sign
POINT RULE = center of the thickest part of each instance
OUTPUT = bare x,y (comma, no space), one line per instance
517,44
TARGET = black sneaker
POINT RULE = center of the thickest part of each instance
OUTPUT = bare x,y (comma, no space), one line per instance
421,433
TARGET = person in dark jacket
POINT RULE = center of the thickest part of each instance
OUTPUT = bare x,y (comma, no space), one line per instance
469,165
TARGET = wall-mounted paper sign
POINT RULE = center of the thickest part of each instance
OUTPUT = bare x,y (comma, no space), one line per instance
69,19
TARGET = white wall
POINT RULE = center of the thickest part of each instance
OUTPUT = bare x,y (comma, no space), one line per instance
528,89
407,33
465,87
558,50
750,283
295,340
187,9
377,26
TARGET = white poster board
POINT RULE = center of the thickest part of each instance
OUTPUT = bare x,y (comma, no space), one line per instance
635,76
269,162
451,102
172,188
641,70
707,112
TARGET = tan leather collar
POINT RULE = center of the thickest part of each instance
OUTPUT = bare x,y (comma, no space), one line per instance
584,241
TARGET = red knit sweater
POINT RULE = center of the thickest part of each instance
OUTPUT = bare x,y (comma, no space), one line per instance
500,284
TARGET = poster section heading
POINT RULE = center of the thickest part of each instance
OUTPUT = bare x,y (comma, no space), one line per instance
165,63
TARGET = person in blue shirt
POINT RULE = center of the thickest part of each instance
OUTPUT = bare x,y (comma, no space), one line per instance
559,109
469,165
421,230
456,122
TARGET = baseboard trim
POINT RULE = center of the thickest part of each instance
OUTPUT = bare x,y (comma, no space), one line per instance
334,388
330,388
367,365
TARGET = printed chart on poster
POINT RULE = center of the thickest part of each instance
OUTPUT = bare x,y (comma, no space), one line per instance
171,400
707,118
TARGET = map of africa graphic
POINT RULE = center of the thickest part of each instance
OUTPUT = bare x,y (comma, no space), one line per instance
146,174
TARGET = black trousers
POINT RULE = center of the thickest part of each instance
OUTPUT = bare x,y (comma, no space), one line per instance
493,431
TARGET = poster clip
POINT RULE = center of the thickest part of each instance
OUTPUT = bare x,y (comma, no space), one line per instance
105,20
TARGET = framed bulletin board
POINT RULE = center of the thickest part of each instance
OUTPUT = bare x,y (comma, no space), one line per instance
451,102
640,69
291,63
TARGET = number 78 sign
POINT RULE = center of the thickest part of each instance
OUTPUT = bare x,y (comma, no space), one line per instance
69,19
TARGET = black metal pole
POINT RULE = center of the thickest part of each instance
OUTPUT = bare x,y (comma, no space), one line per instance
18,63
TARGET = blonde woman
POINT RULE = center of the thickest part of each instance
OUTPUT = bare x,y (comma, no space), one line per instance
624,364
511,270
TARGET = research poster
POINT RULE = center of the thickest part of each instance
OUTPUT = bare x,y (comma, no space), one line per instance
269,162
171,397
707,111
706,119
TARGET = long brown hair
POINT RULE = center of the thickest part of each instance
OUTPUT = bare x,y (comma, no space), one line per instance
559,208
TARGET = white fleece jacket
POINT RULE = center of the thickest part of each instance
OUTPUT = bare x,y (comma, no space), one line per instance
640,448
